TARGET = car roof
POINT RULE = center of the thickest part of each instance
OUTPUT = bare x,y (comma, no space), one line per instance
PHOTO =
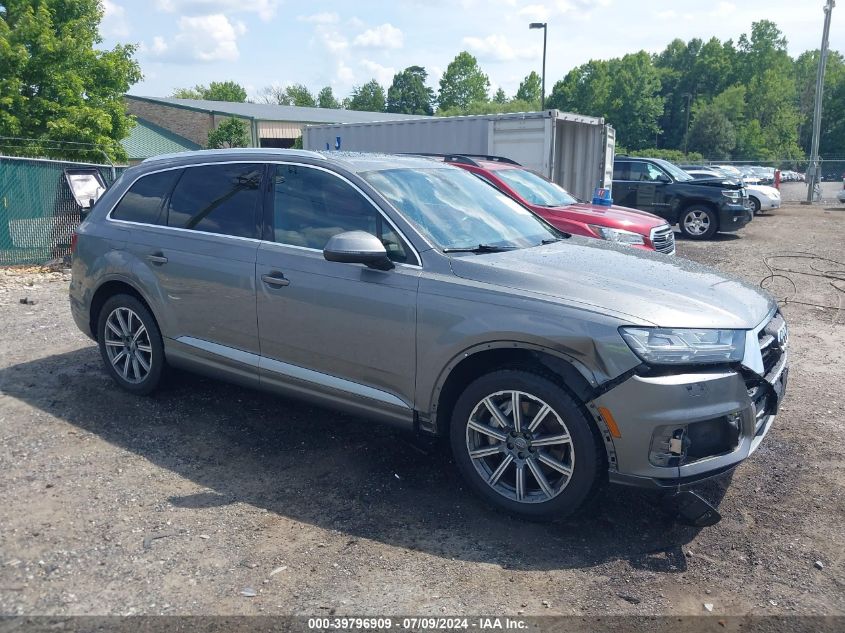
353,161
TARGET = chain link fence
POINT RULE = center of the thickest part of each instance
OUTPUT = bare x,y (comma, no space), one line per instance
38,209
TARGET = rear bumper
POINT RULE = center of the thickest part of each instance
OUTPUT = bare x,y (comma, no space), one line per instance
733,217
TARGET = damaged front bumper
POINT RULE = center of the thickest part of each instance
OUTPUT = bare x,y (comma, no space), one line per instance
678,429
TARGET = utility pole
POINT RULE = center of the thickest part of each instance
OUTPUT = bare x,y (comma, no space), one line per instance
813,167
686,129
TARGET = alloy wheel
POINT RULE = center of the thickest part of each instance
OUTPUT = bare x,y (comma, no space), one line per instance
697,222
128,345
520,446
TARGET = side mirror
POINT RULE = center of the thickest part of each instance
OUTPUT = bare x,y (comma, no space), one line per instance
357,247
664,179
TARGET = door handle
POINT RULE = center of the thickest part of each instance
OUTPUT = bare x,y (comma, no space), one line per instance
275,280
157,258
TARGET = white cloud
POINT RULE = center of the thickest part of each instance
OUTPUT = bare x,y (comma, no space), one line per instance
266,9
320,18
724,9
497,48
581,9
344,75
382,36
204,38
114,22
382,74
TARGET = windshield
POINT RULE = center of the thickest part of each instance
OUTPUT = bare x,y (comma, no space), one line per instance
454,209
676,172
535,189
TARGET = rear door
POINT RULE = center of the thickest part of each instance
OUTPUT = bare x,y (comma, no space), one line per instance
329,327
201,252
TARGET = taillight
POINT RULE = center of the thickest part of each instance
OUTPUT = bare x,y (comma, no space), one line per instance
74,238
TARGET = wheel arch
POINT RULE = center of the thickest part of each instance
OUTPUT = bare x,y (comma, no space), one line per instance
480,359
104,292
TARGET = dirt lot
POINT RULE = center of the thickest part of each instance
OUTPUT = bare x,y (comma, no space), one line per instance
182,503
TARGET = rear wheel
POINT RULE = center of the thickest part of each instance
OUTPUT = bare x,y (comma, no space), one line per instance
699,223
525,445
130,344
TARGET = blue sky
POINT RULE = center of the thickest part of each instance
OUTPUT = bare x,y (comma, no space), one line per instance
342,44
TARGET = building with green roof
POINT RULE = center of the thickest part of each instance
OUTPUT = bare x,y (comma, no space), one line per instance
147,139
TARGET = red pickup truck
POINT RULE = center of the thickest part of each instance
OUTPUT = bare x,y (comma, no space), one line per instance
555,205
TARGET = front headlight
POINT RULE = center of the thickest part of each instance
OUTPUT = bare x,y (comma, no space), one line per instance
670,346
618,235
734,195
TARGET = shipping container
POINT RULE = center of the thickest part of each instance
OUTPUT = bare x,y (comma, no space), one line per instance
573,150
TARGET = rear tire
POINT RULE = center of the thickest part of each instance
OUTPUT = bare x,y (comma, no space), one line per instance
544,463
698,222
130,344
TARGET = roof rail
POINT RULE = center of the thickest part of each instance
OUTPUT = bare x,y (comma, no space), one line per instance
465,159
237,150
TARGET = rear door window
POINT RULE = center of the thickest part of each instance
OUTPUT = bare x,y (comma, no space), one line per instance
219,199
143,202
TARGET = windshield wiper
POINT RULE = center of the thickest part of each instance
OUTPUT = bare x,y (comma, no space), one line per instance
481,248
552,240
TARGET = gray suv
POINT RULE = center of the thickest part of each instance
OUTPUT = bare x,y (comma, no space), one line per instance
410,292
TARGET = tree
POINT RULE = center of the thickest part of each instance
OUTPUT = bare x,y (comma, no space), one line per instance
712,134
530,89
326,99
490,107
216,91
56,84
408,93
230,133
367,98
462,83
293,95
500,96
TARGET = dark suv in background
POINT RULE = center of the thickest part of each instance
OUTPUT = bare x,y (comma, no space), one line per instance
699,208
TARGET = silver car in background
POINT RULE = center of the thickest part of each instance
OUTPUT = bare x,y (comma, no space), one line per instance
411,292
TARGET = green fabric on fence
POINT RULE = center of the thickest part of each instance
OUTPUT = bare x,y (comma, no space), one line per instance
38,213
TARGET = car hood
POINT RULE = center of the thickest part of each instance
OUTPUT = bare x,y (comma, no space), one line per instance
615,216
645,287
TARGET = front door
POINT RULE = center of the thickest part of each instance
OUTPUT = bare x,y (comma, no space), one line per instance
329,327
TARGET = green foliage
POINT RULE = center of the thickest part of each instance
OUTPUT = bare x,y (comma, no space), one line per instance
326,99
55,85
491,107
215,91
367,98
712,134
408,93
672,155
500,96
463,83
530,89
230,133
747,100
293,95
624,91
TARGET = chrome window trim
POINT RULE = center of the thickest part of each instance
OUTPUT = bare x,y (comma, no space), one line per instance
109,217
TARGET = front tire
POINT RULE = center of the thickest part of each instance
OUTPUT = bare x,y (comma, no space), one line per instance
130,344
698,223
755,204
544,462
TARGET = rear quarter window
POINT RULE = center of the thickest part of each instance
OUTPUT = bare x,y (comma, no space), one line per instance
143,202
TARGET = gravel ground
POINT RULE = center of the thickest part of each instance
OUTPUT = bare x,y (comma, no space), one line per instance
212,499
